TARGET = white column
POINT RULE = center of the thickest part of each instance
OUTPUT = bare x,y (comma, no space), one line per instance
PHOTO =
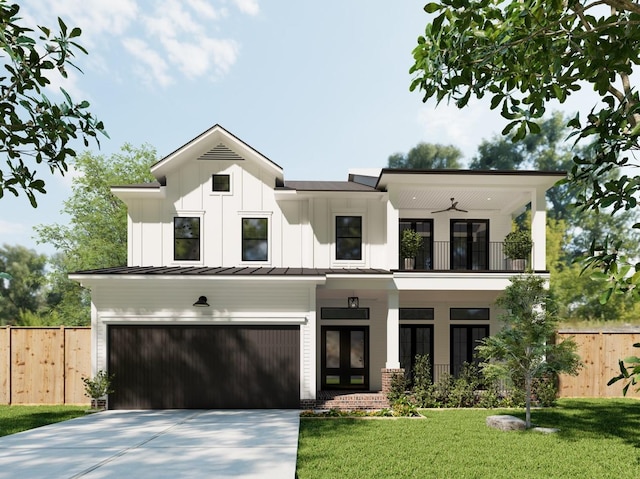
393,330
539,230
393,219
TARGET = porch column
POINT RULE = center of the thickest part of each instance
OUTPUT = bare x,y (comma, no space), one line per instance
393,241
393,330
538,230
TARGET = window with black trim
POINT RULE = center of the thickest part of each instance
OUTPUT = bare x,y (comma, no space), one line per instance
473,314
415,339
348,237
416,313
344,313
255,239
220,183
186,238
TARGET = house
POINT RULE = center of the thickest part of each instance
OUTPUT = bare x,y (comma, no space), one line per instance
246,290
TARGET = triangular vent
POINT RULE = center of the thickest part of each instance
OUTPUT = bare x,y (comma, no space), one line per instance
220,152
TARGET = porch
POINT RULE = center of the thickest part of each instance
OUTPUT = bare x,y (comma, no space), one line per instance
345,400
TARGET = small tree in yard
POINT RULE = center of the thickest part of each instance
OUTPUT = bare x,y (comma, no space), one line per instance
525,347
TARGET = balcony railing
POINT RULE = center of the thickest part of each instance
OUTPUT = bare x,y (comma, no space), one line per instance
478,257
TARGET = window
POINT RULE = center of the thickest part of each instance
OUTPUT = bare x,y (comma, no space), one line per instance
469,314
344,313
255,243
348,237
186,239
464,340
424,258
220,183
416,313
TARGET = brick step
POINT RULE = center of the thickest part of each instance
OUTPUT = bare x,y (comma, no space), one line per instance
346,401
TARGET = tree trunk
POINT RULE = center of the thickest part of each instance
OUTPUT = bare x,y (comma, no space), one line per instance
527,400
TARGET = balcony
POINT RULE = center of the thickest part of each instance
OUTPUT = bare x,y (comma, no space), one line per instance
441,256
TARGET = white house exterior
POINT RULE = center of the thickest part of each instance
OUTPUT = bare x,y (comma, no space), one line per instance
304,287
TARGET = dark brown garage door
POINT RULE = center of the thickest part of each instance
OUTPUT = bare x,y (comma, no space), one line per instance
202,367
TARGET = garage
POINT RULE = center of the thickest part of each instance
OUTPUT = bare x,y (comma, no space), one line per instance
204,367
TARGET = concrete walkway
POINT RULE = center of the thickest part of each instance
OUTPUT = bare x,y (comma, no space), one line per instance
157,444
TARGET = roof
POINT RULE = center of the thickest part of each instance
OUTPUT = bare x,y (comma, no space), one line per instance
326,186
204,147
228,271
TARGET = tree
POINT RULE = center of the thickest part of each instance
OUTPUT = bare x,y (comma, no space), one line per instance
32,127
96,236
546,151
525,53
22,282
524,348
426,156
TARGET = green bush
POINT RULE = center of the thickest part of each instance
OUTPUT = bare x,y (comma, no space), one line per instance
98,386
398,387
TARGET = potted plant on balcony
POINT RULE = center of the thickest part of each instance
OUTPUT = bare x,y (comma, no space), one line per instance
517,248
410,244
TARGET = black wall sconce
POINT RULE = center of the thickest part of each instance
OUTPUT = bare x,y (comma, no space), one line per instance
353,302
201,303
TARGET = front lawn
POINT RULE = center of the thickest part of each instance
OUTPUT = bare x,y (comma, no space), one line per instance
597,439
20,418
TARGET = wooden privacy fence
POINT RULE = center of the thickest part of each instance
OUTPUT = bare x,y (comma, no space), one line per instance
44,365
600,352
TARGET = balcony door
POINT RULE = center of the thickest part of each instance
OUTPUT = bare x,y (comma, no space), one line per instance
470,244
424,258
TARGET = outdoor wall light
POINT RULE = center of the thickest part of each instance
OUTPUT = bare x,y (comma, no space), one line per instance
353,302
201,303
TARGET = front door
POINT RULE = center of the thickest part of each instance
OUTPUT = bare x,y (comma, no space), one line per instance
345,357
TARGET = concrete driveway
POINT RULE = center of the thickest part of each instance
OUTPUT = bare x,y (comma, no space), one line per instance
157,444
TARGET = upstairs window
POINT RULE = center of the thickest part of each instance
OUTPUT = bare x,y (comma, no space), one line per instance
348,237
221,183
186,239
255,243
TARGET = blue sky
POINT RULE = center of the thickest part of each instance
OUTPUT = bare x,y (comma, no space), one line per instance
318,87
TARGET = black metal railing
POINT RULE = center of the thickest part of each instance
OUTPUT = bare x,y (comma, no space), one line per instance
448,256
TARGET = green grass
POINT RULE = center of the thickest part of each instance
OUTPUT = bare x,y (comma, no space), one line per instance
20,418
597,439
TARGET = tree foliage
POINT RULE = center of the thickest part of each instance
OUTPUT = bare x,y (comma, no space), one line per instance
427,156
525,53
525,348
96,235
21,288
32,127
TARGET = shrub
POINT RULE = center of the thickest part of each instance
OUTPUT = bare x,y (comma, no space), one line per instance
98,386
398,388
405,406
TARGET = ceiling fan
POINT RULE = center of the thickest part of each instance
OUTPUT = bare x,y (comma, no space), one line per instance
453,207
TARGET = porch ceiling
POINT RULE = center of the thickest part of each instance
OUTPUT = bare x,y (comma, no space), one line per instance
474,200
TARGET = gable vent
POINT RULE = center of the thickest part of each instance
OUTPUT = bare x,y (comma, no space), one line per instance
220,152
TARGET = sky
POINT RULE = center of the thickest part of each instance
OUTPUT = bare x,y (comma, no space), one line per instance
317,87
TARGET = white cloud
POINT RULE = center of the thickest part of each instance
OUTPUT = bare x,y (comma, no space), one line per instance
151,67
249,7
464,128
205,9
9,228
165,39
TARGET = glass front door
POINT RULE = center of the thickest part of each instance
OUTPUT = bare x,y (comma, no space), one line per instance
345,357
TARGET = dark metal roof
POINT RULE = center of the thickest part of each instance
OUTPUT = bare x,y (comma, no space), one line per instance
326,186
152,184
228,271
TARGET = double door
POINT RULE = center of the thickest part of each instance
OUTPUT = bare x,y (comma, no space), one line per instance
345,357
